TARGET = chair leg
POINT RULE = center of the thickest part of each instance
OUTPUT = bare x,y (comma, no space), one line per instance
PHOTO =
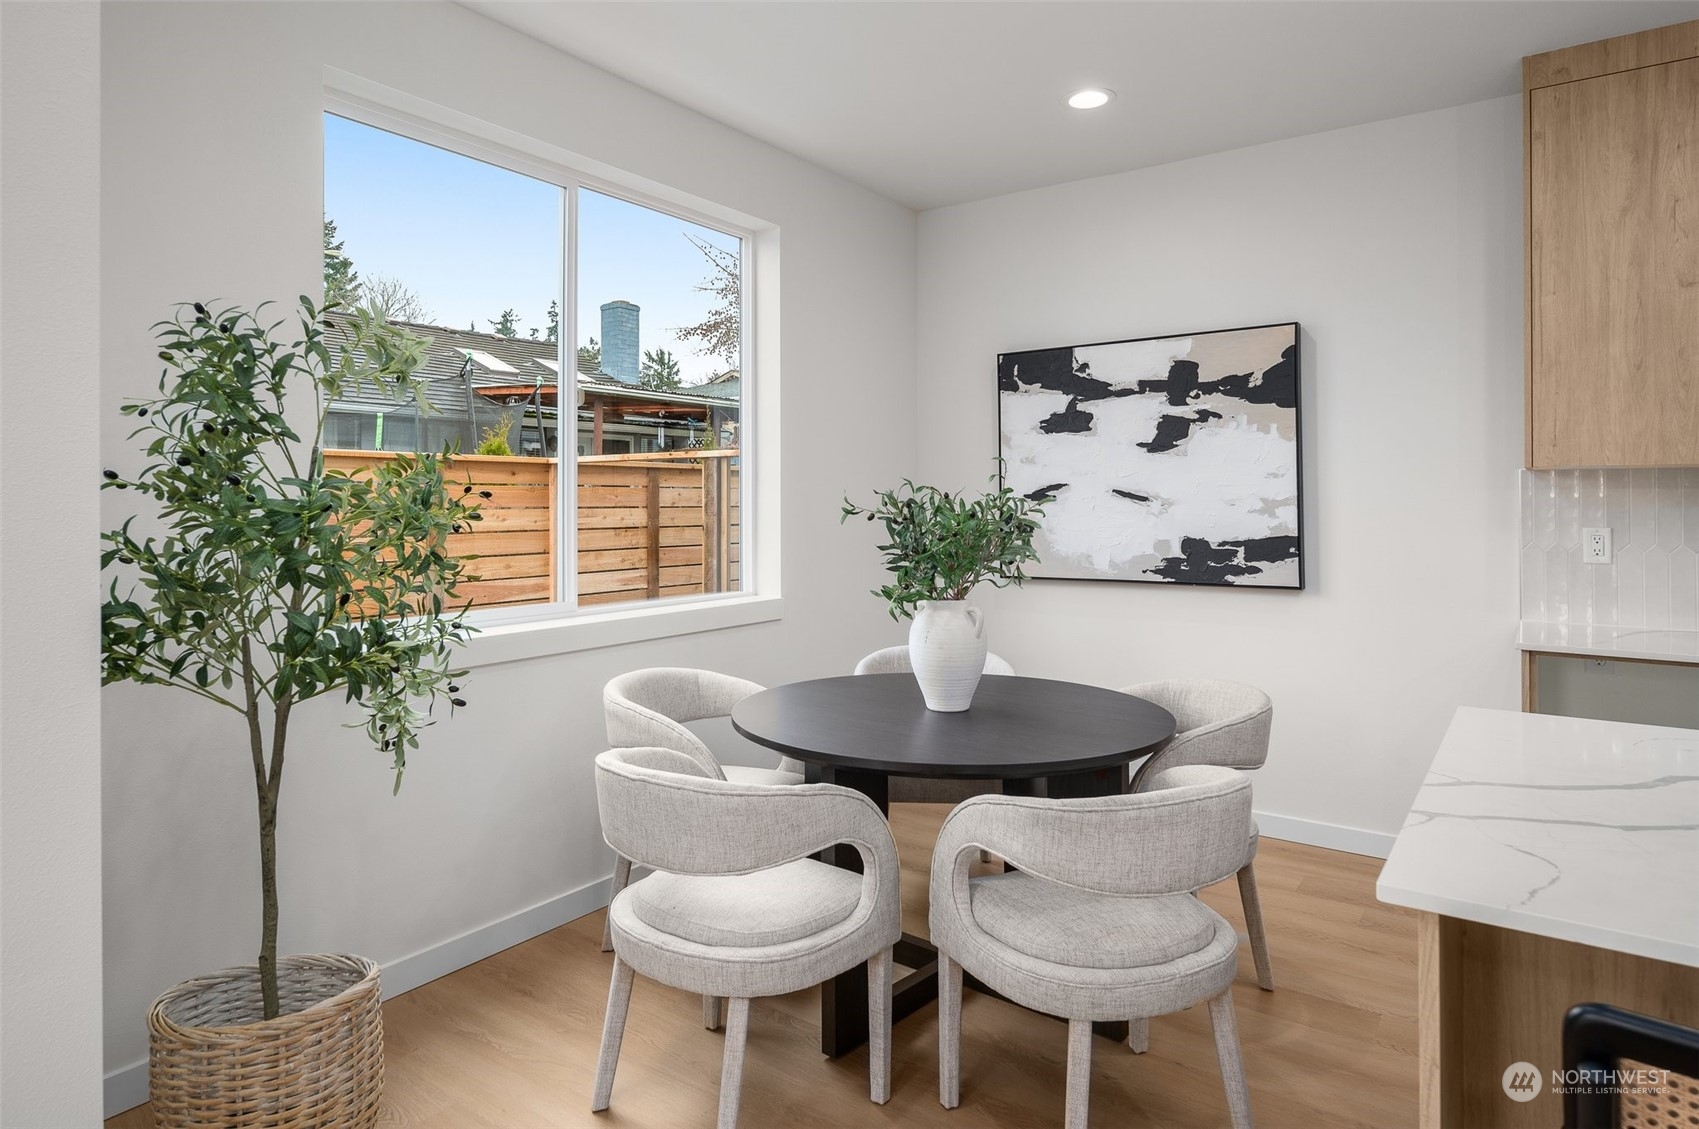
731,1074
613,1031
1253,925
1079,1074
622,878
949,1032
1138,1035
1232,1065
711,1012
879,1026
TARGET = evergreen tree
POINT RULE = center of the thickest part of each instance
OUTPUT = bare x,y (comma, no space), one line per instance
554,321
341,281
659,371
507,325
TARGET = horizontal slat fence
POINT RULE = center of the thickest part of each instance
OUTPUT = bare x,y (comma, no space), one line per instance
663,524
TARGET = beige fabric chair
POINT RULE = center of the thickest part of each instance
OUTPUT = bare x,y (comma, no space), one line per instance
1099,923
920,789
649,708
736,908
1220,723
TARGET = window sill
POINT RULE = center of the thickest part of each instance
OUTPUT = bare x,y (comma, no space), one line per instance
515,642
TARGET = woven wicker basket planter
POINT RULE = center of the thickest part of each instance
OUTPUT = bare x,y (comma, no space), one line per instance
212,1061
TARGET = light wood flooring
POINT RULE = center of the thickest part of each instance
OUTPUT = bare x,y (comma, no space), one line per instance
511,1041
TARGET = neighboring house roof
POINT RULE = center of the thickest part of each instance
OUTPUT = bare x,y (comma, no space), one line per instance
503,367
721,388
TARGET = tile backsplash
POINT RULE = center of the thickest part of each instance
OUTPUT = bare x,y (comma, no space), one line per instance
1653,578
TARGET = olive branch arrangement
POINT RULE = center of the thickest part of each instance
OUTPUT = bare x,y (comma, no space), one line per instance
940,545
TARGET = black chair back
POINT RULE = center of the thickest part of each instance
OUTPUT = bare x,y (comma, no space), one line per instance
1598,1040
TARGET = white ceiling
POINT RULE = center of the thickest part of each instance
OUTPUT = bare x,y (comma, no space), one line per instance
939,103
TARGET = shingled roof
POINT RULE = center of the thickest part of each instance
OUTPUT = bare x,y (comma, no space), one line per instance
506,363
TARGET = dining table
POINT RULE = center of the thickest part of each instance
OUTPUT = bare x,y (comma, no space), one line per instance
1037,736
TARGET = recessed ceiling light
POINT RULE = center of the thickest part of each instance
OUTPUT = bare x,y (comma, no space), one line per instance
1090,98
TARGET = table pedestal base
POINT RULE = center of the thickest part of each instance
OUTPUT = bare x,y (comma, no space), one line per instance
843,998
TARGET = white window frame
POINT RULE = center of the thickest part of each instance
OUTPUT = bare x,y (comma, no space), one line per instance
537,630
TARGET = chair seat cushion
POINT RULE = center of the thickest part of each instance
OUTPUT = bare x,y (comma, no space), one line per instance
747,911
1084,929
744,774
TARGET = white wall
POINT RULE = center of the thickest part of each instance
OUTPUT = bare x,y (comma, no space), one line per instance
212,179
49,665
1398,246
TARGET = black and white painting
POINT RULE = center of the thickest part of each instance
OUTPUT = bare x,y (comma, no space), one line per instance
1166,459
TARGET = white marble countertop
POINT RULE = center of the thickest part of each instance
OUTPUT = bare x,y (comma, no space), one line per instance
1583,830
1600,641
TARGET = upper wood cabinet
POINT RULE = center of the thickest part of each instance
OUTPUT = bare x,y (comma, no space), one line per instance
1612,205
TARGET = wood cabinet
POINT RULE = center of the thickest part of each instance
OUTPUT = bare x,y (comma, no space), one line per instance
1612,206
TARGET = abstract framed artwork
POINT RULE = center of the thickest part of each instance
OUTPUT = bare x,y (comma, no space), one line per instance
1170,460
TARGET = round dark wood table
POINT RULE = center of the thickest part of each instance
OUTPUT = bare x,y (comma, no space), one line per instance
1039,737
1018,729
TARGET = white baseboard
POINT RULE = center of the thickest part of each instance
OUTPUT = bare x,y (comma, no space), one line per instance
126,1087
1333,836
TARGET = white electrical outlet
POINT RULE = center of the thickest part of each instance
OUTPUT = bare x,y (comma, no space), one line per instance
1596,546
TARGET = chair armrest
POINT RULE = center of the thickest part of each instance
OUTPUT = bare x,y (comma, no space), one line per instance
630,725
1167,842
1235,742
690,824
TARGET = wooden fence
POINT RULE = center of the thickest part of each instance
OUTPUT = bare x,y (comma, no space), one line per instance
662,524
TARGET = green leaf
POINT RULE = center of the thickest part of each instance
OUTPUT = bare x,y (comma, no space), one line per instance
256,542
941,545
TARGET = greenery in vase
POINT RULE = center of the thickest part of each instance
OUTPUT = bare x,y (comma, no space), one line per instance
267,581
941,545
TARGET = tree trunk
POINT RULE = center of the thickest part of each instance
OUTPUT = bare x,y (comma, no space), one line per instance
268,889
270,786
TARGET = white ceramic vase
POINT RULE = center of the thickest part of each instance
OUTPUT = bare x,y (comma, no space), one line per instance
946,644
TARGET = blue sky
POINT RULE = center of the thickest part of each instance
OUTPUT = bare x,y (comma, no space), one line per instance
473,239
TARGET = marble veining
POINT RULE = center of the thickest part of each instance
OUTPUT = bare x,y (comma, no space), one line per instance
1583,830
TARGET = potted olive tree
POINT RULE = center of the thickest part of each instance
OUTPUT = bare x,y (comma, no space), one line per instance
256,581
939,547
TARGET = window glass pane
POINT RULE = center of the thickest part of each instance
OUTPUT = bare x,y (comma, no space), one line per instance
660,359
468,255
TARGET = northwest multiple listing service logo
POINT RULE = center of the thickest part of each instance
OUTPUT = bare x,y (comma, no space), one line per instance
1521,1081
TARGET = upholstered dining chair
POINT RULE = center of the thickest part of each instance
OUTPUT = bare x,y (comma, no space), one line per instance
929,790
651,707
736,908
1099,923
1221,723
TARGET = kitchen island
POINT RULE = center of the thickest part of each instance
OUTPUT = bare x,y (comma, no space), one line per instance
1555,861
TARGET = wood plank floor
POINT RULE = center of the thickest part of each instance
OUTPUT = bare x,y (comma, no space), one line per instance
511,1041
